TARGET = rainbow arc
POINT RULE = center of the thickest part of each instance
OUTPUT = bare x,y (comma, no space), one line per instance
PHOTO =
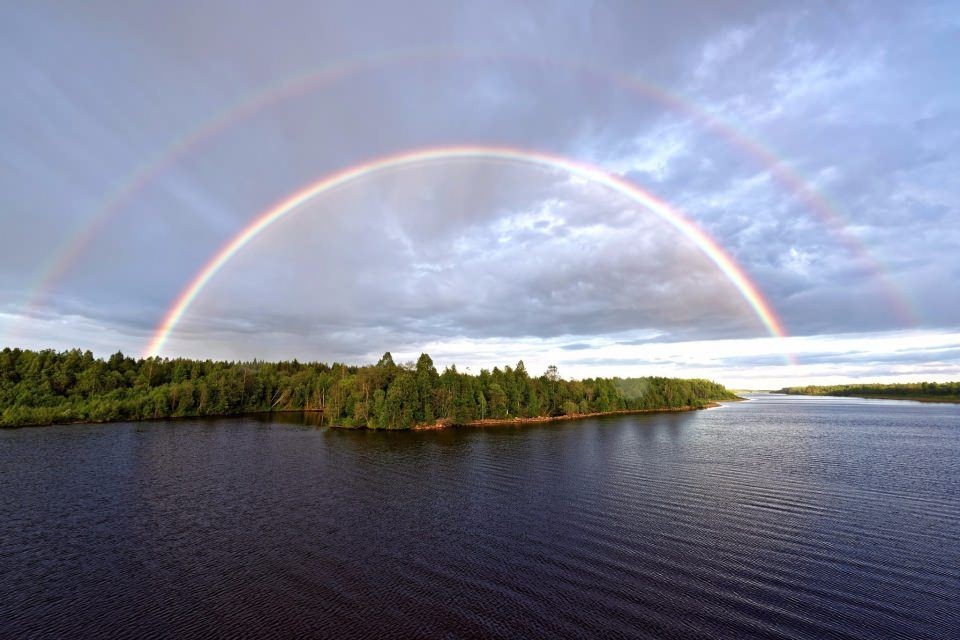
290,88
293,203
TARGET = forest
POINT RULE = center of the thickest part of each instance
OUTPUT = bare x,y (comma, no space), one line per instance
922,391
48,387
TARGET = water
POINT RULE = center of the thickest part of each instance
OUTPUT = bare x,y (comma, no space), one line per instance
779,517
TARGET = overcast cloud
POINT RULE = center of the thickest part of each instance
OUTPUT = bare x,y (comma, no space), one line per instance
481,262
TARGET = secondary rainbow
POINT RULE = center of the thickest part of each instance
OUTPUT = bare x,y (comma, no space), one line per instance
288,205
284,90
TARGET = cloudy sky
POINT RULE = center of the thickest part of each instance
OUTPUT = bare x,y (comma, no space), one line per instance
817,143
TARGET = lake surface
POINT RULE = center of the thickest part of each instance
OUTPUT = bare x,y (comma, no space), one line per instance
778,517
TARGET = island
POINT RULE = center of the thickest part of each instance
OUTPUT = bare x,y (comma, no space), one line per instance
916,391
52,387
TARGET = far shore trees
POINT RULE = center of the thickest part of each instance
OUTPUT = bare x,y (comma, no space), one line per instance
46,387
924,391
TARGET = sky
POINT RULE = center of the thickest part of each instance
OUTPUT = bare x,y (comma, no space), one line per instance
815,145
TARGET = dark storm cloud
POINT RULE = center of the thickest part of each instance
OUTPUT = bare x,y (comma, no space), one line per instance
860,100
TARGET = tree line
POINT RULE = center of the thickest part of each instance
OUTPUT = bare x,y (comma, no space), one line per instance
46,387
942,391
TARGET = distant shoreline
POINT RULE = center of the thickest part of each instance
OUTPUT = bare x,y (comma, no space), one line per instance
933,399
940,392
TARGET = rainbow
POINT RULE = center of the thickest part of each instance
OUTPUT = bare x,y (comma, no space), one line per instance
277,93
288,205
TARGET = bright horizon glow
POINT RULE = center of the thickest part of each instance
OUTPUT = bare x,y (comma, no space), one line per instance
738,363
684,225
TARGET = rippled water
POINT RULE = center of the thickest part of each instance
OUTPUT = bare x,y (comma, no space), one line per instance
792,517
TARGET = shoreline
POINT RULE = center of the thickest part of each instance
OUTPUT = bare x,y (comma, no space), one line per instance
927,399
500,422
440,424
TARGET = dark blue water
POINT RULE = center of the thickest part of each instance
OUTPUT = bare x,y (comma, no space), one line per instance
779,517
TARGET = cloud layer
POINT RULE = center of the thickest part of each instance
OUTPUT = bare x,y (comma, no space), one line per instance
858,105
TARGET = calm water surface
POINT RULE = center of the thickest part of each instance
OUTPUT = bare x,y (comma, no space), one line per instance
779,517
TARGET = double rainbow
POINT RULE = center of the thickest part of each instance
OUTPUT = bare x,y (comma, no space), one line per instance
290,88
